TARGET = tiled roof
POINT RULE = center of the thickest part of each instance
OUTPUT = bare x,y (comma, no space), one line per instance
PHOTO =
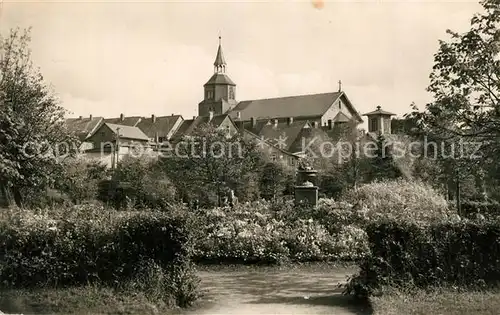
188,126
128,132
83,127
312,105
162,125
127,121
220,78
379,111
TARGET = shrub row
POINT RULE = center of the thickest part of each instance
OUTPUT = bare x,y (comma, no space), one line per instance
446,254
471,209
38,250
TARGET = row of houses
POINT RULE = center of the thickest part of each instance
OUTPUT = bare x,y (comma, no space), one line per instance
280,125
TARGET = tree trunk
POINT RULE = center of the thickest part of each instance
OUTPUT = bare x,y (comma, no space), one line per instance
457,194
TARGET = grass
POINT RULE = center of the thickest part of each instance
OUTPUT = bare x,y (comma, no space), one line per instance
439,302
80,300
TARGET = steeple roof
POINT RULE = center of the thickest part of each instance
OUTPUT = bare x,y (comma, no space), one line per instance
219,59
379,111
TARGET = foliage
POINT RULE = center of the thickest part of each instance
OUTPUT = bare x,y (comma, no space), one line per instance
272,181
403,254
209,163
401,199
33,137
488,209
88,245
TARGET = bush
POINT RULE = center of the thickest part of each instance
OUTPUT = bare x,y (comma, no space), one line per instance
406,254
399,200
489,209
87,244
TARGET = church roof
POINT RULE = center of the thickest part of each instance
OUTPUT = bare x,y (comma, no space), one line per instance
379,111
220,78
312,105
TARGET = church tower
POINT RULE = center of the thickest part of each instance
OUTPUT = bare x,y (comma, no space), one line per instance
219,91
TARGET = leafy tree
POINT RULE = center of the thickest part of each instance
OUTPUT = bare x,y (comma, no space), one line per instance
382,164
33,136
272,181
206,165
465,83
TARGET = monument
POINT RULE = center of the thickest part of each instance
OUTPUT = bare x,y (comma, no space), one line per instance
306,190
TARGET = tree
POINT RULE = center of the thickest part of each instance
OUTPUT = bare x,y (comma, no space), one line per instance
382,164
33,136
465,83
207,164
272,181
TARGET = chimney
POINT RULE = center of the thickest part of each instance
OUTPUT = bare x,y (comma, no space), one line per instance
210,115
238,115
153,118
275,123
252,121
90,116
330,124
122,118
290,121
80,117
315,124
172,114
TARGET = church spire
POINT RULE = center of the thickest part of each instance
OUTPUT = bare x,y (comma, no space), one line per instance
220,62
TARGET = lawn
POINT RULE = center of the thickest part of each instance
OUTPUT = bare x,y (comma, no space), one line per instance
442,302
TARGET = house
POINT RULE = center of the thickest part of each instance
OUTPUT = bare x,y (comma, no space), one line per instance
111,142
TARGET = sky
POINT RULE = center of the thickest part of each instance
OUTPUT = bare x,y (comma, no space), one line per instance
140,58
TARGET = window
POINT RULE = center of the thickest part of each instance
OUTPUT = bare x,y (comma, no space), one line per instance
340,105
374,124
231,93
273,157
292,161
210,94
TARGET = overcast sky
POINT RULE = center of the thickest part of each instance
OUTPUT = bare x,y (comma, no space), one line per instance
106,58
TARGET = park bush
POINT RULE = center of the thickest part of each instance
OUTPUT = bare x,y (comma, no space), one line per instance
399,200
488,209
88,244
405,255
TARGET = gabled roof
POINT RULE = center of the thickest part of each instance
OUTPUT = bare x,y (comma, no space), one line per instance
162,125
220,78
312,105
127,121
341,117
187,127
127,132
83,127
379,111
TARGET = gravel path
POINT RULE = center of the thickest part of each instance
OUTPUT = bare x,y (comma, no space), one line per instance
263,292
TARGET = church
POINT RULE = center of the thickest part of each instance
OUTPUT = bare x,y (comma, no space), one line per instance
279,124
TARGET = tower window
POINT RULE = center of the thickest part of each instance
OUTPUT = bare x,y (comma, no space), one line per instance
374,124
210,94
231,93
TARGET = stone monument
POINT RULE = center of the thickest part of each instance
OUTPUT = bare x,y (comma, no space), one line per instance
306,190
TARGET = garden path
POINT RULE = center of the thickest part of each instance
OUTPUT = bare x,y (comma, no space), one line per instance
267,291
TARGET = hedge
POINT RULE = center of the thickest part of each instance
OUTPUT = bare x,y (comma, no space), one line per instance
489,209
463,254
43,252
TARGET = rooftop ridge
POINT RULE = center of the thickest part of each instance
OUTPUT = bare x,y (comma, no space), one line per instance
291,96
